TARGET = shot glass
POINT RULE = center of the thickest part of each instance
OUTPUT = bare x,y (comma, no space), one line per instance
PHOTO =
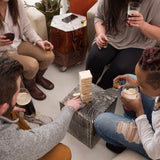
47,48
105,44
83,22
115,85
133,7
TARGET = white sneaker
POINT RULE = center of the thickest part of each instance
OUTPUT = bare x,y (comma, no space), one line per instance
32,125
39,119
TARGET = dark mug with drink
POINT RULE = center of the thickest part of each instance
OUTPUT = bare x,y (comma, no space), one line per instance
10,36
24,100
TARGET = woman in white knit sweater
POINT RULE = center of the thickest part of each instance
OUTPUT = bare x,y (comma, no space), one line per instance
29,47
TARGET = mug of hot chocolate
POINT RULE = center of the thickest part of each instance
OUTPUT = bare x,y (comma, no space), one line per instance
130,93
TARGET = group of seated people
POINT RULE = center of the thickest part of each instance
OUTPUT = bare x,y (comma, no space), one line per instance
130,49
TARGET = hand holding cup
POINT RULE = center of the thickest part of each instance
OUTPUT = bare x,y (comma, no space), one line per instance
105,44
47,48
116,85
23,97
133,104
130,93
9,36
133,11
133,7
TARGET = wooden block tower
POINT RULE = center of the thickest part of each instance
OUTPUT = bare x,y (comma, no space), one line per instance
85,84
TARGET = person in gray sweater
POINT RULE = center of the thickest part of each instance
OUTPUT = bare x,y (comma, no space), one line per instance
38,143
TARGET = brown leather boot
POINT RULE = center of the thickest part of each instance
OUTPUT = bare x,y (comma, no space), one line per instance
33,89
43,81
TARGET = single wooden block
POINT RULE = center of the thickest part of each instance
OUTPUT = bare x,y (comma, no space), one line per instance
85,76
81,125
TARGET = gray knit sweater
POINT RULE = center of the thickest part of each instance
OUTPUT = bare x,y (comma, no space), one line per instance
17,144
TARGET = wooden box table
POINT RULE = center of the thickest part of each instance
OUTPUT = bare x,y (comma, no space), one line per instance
69,39
81,125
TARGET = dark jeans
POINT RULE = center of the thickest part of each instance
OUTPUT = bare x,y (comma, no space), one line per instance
121,62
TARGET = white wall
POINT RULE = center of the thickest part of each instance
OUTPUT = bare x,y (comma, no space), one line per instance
65,6
32,2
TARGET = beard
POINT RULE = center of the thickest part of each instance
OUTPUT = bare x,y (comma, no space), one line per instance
9,111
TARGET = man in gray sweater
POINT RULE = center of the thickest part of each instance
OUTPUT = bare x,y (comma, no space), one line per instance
32,144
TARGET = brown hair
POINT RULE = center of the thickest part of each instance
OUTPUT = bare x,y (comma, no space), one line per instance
13,9
150,62
116,9
10,70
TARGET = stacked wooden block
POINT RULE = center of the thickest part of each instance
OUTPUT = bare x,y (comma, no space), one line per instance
85,84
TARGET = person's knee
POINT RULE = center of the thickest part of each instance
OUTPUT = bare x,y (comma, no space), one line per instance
33,65
102,119
67,152
90,60
47,60
31,69
50,57
64,151
59,152
117,68
94,55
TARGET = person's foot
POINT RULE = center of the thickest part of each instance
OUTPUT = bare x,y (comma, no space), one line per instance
115,149
39,120
45,83
37,93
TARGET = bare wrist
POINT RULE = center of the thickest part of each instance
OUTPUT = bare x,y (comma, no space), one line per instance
142,27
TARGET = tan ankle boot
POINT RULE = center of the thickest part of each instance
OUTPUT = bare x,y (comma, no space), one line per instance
43,81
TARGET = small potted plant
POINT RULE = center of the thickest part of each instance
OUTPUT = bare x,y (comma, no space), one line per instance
49,8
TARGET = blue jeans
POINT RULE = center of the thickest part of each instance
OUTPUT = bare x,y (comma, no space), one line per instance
122,131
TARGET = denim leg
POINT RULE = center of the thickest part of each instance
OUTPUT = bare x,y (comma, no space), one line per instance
119,131
147,101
